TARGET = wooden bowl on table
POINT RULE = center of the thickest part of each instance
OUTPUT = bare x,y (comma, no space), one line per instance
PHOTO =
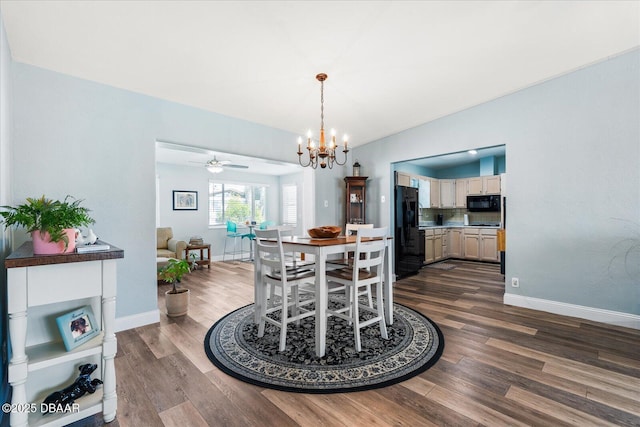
325,232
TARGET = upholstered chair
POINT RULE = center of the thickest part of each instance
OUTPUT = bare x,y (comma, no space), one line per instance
167,246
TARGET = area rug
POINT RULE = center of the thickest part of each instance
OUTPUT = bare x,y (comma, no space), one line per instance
415,343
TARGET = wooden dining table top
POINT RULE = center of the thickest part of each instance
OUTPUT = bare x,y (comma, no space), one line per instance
325,241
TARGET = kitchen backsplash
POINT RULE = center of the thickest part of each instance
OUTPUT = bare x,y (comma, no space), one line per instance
428,216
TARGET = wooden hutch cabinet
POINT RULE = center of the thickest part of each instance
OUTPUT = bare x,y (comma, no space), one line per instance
356,199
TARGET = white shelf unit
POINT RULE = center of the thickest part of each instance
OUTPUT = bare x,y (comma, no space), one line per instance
39,289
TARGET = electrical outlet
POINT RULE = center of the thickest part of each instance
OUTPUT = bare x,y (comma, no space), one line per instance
515,282
382,199
326,203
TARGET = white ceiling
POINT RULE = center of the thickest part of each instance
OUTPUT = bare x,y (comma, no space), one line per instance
392,65
457,159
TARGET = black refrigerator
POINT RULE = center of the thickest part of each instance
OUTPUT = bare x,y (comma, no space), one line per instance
408,238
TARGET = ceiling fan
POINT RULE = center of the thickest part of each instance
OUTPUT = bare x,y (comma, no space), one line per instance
217,166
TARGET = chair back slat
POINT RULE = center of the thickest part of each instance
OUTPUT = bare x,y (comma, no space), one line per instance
370,253
351,229
270,250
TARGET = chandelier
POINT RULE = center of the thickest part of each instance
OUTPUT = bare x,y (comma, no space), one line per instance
323,154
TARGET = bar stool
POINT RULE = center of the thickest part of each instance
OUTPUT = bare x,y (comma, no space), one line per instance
232,233
290,282
368,269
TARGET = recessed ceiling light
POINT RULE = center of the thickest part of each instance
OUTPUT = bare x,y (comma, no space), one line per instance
472,152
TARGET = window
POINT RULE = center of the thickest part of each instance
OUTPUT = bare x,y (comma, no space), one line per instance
236,202
289,204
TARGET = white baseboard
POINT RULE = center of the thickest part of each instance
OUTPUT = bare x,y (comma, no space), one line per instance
136,320
590,313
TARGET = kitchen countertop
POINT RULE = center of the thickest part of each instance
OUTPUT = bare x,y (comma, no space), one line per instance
424,227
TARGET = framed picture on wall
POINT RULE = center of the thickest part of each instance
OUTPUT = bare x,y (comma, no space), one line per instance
185,200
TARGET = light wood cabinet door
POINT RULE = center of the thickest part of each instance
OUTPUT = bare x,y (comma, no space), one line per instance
424,193
491,184
435,192
461,193
474,185
429,248
437,247
454,244
447,193
472,244
489,245
484,185
403,179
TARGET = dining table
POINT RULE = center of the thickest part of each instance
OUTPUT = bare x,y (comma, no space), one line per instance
321,249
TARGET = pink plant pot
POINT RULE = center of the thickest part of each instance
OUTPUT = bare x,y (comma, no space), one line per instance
43,246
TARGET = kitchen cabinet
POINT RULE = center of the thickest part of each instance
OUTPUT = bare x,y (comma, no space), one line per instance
489,245
429,193
435,192
403,179
356,199
437,245
474,185
473,243
447,193
491,184
445,243
481,244
433,245
424,194
461,193
40,289
429,249
471,239
454,243
484,185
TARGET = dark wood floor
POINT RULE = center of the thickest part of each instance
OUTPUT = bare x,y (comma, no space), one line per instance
502,365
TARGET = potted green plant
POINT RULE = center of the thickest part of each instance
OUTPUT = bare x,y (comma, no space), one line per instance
176,300
52,223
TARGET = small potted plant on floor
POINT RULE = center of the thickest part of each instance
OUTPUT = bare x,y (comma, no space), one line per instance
52,223
176,300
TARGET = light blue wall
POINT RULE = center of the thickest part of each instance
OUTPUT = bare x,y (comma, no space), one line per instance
185,224
497,166
572,145
573,180
97,143
6,114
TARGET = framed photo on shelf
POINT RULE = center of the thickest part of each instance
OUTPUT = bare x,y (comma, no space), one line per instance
185,200
77,327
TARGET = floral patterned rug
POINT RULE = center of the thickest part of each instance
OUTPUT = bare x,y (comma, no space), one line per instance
415,343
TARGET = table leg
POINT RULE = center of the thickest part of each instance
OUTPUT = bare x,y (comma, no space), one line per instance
388,285
321,302
258,288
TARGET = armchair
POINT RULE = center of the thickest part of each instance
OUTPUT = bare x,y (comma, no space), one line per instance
167,246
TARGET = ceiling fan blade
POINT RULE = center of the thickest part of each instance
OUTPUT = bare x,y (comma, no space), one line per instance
237,166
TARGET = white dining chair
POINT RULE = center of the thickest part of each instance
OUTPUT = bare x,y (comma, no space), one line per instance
367,269
347,260
291,283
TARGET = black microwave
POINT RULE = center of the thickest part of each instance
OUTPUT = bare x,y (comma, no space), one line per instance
483,203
